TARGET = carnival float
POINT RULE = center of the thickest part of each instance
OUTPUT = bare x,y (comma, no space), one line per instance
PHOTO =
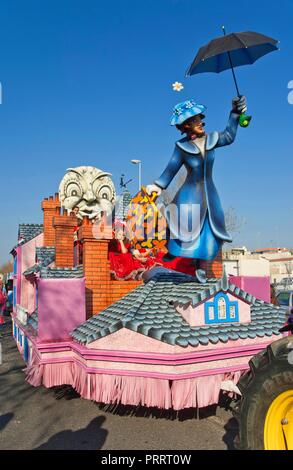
120,299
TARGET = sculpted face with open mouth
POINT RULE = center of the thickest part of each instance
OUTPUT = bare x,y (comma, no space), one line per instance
87,191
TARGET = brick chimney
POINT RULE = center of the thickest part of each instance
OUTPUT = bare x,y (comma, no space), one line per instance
213,269
96,268
64,238
49,206
101,290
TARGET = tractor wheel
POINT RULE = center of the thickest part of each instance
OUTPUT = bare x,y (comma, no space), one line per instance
265,412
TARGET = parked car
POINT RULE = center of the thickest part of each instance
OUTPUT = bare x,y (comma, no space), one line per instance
287,281
285,299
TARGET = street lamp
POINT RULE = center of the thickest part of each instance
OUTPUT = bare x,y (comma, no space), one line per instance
138,162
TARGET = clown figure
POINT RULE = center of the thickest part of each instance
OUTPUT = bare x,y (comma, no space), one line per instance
195,218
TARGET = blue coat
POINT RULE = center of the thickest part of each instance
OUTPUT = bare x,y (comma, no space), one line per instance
198,188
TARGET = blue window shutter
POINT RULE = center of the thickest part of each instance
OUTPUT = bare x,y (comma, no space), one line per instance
15,265
211,310
26,349
14,294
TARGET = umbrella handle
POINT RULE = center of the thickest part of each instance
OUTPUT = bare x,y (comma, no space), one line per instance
244,120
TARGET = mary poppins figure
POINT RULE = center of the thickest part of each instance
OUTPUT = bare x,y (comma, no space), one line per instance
198,194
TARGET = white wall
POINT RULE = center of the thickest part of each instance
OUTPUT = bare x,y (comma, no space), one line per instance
253,267
231,266
245,266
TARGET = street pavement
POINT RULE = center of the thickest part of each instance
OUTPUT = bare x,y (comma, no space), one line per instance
57,418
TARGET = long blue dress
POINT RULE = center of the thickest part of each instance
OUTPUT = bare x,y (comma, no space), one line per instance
197,196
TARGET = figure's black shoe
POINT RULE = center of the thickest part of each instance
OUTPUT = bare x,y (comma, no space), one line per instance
168,257
200,275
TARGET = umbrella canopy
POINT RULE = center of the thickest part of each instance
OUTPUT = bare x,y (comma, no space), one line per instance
232,50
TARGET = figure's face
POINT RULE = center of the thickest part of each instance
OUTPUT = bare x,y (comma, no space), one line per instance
195,125
120,234
87,191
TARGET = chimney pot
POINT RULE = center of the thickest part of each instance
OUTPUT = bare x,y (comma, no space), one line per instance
49,206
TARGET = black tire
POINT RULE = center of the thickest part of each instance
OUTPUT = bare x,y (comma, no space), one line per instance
270,375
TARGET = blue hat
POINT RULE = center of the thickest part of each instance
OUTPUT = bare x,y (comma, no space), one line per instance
186,110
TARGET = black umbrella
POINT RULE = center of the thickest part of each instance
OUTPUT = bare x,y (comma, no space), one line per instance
229,51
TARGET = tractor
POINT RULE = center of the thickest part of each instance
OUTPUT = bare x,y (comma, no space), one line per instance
265,410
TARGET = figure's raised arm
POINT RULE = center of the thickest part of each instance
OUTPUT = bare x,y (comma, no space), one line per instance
168,174
228,135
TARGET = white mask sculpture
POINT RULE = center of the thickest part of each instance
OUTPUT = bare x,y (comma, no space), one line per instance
87,191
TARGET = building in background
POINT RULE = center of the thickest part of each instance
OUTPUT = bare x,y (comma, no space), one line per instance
271,253
281,265
277,263
249,271
241,262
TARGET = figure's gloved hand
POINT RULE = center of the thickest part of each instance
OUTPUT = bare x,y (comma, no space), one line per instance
153,188
135,253
239,105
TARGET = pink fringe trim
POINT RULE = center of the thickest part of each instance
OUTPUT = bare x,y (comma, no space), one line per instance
199,392
177,394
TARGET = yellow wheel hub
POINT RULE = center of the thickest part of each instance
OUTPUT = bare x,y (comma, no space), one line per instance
278,431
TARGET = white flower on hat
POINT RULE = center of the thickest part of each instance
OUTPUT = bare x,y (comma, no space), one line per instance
177,86
189,104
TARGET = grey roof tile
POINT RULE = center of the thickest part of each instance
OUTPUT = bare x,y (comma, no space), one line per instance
29,231
32,320
182,341
204,340
32,270
45,255
61,273
223,337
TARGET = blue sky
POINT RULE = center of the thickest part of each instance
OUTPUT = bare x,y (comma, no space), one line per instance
89,83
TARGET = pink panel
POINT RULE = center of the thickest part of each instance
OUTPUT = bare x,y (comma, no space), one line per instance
61,307
18,275
194,316
28,259
259,286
